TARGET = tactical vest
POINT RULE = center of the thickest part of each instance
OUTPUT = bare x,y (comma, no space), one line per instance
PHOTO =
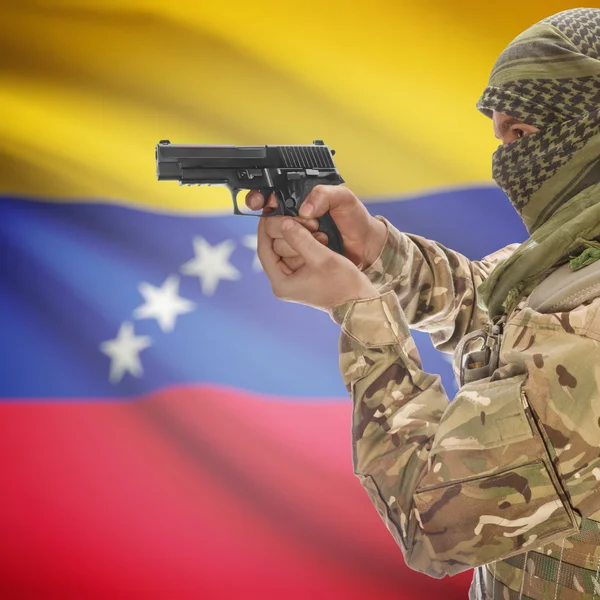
565,570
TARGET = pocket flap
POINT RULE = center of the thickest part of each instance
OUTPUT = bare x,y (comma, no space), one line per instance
484,414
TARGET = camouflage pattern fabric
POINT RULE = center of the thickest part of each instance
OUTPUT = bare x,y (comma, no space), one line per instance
504,478
549,77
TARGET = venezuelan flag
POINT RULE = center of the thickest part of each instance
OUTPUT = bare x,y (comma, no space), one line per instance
167,428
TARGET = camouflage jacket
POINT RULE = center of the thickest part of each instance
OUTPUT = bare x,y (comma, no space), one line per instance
512,464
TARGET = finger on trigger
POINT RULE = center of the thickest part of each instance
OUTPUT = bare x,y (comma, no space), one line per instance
254,200
321,237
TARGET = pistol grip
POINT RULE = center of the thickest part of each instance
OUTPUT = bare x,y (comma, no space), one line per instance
327,225
300,189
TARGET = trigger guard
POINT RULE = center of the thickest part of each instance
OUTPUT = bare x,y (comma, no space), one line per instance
236,209
234,192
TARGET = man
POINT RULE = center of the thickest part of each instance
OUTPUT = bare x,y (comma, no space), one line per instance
506,477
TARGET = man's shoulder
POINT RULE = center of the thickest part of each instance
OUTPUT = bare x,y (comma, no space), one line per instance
582,320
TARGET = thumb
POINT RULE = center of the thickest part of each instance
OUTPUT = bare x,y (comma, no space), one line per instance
326,198
302,241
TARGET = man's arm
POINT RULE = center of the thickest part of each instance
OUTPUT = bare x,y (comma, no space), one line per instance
466,483
461,484
436,286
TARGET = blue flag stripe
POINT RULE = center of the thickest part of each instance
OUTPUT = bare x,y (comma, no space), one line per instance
73,276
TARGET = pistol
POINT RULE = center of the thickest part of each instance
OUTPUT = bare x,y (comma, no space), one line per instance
289,172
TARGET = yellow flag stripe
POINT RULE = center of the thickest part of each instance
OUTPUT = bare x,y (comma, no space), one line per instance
89,87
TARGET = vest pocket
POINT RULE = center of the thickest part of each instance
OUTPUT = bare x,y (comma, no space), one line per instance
477,520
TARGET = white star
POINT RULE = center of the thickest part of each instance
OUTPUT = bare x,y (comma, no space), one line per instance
163,303
251,241
124,352
211,264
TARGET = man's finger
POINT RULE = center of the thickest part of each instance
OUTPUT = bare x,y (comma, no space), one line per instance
283,249
254,200
321,237
273,225
324,198
274,267
294,263
303,242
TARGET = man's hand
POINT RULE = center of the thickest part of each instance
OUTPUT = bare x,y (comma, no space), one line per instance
362,234
325,279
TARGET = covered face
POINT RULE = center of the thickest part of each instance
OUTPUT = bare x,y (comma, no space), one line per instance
549,77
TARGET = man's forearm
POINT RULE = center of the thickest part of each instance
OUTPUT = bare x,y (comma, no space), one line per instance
436,286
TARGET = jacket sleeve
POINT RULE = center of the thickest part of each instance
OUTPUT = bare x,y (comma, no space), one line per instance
457,484
436,287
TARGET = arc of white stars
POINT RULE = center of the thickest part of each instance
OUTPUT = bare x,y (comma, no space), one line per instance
251,242
163,303
211,264
124,351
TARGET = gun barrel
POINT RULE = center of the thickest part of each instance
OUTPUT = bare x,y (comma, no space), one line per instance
172,159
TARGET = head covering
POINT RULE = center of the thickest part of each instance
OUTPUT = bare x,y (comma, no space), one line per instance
548,77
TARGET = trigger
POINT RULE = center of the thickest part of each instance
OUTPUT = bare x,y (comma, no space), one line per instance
266,193
280,210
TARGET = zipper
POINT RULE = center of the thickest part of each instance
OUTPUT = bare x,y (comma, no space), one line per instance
533,422
476,478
